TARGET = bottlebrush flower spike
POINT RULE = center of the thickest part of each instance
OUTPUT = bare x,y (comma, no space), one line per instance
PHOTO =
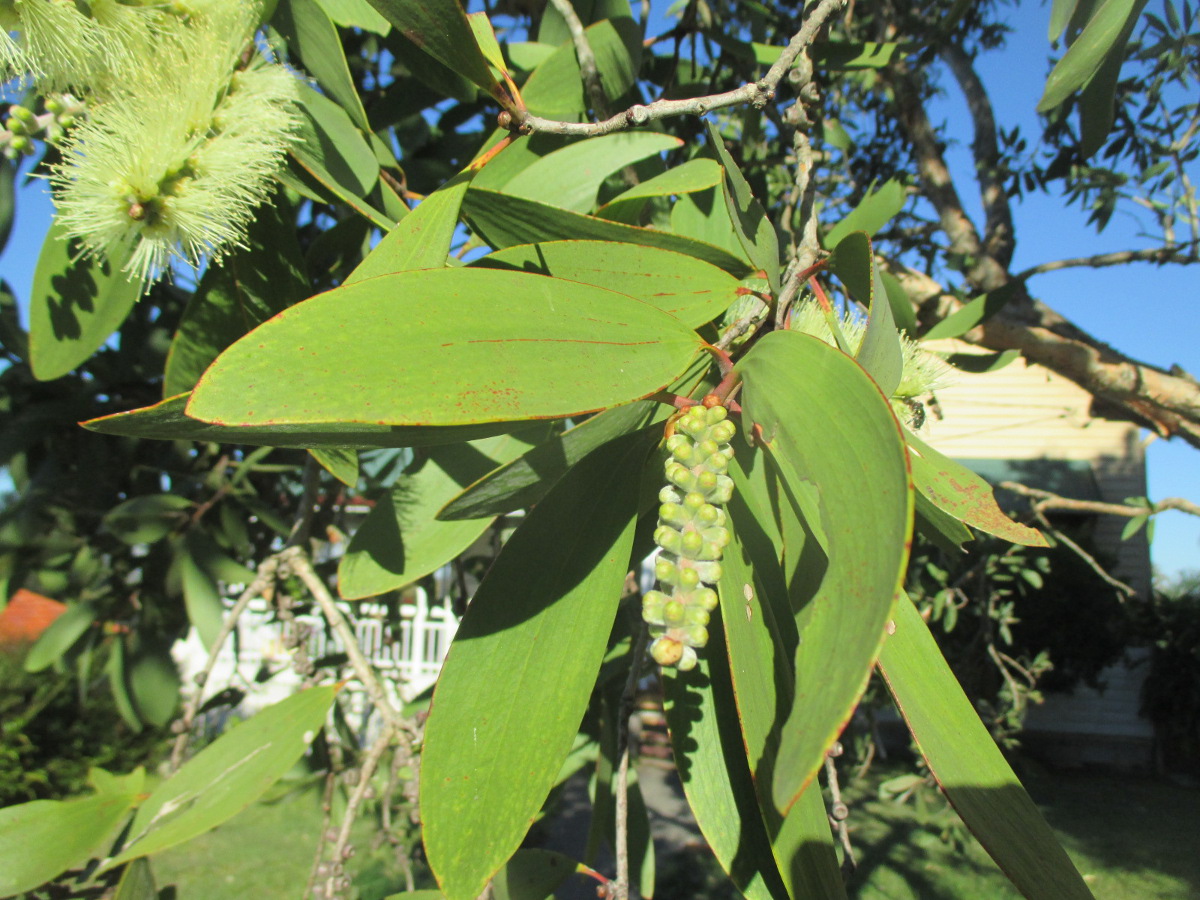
173,168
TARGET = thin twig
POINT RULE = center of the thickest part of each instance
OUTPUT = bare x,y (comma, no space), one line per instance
839,812
1091,561
297,561
302,527
757,93
365,772
1179,254
1047,500
258,587
628,695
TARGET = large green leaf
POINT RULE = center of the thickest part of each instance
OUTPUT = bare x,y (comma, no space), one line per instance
955,489
356,14
400,540
422,239
970,768
750,221
555,89
227,775
312,37
693,291
685,178
505,221
1097,101
711,761
704,216
60,636
521,669
42,839
570,178
446,347
800,841
973,313
167,421
874,211
853,261
137,882
246,289
1100,37
831,432
525,480
75,303
533,874
441,29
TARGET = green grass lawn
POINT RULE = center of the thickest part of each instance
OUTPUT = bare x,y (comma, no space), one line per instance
1133,838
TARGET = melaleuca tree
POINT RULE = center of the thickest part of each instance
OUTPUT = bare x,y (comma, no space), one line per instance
549,263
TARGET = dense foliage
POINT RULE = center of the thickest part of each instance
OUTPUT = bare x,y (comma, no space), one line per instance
525,266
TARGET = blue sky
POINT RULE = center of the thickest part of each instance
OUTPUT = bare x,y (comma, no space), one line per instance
1142,310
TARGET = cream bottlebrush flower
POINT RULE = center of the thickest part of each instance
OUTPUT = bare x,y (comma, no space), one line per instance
174,168
58,46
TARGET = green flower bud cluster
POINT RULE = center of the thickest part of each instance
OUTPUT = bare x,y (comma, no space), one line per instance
691,534
23,125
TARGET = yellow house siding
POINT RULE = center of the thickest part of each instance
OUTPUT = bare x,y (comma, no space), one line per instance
1027,412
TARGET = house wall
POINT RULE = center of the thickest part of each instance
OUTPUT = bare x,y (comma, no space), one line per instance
1025,412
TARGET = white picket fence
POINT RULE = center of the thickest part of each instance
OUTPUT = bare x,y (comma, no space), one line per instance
407,650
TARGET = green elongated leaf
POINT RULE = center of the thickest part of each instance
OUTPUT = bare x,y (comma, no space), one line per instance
1061,12
693,291
485,39
356,14
146,519
167,421
1087,53
979,363
500,728
970,768
704,216
828,427
312,37
875,210
957,490
441,29
118,683
75,304
526,479
227,775
42,839
422,240
686,178
513,159
976,312
902,309
246,289
750,221
1097,102
505,221
555,89
532,875
137,882
334,152
400,540
446,347
340,462
937,525
711,761
201,596
570,178
154,685
758,648
60,636
853,261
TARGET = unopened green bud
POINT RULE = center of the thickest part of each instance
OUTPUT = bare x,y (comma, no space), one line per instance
669,495
668,538
706,482
689,578
717,463
673,514
687,660
715,414
696,635
20,112
681,476
54,105
696,615
709,572
21,144
722,432
705,448
673,612
706,598
691,545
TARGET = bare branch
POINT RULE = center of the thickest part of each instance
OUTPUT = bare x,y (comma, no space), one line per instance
998,237
1162,255
621,885
362,786
757,93
590,74
298,563
1047,500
